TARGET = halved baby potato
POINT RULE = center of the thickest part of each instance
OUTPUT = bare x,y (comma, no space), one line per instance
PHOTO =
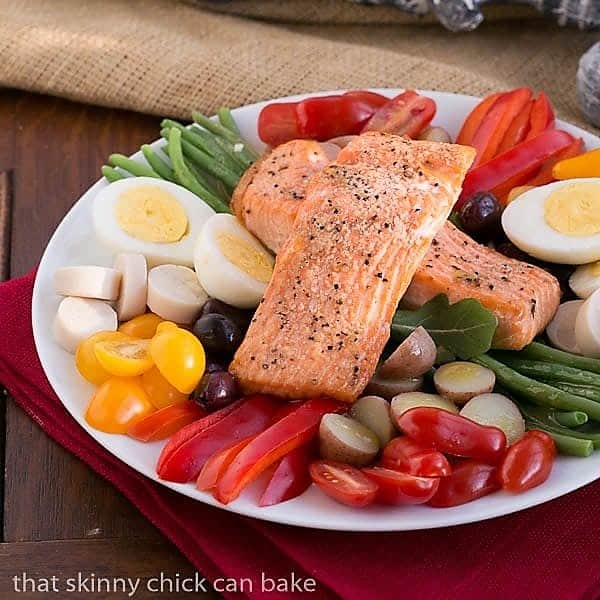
374,412
390,387
460,381
347,441
403,402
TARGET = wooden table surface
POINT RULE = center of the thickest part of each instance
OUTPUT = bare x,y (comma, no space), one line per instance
58,517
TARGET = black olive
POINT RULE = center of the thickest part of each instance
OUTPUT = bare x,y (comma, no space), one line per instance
480,216
215,307
215,390
218,334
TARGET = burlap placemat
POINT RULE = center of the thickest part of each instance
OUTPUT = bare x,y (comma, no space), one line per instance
166,57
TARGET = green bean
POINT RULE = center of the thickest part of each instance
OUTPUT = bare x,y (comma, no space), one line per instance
566,444
540,415
537,351
585,391
185,177
536,392
573,418
224,132
208,144
111,173
157,163
226,119
214,186
236,156
135,168
548,371
205,161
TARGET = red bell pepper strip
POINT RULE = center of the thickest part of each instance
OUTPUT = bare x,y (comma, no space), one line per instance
495,124
296,429
166,421
319,118
469,480
252,416
291,476
398,488
215,466
544,175
515,166
542,116
474,119
191,430
406,114
406,455
453,434
517,130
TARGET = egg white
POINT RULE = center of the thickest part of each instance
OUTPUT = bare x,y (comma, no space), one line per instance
525,225
217,275
110,233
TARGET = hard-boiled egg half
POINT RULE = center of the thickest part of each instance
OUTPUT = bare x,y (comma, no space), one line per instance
558,222
231,264
156,218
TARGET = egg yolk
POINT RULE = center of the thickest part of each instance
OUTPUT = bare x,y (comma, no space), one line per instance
574,209
151,214
246,257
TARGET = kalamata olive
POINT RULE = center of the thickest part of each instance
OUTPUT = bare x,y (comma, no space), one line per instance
215,390
480,215
212,366
218,334
215,307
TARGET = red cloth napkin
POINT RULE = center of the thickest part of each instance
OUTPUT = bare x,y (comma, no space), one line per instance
550,551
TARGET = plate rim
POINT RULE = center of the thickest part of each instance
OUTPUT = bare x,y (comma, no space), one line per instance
267,514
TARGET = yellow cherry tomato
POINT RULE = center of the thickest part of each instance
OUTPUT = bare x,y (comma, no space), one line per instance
160,391
85,358
124,358
117,404
179,356
166,326
143,326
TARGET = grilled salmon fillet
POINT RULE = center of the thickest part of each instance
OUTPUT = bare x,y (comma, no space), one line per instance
270,192
366,223
523,297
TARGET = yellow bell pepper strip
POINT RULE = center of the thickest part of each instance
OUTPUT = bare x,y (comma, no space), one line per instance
179,356
117,404
584,165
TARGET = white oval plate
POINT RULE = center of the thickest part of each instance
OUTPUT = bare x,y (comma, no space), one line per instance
74,242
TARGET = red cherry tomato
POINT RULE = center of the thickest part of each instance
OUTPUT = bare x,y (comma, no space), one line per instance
528,462
406,455
277,123
406,114
453,434
331,116
343,483
319,118
469,480
401,488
